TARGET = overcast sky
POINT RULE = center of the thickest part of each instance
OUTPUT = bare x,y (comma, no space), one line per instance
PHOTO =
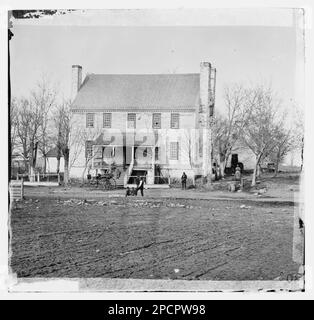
248,54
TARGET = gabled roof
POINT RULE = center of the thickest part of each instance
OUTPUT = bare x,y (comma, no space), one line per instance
53,153
138,92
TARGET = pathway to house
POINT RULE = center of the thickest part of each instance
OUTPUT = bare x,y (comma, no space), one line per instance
289,194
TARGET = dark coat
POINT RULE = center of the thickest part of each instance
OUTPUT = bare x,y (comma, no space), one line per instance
139,187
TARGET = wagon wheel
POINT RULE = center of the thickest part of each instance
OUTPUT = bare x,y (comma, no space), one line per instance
108,184
111,184
92,181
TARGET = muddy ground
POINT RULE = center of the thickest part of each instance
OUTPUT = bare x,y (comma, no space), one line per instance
152,239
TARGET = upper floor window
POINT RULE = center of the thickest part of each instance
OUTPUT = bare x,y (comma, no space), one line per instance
132,120
174,124
156,120
174,150
107,120
90,117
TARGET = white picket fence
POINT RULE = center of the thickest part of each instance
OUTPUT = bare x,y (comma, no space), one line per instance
40,179
16,190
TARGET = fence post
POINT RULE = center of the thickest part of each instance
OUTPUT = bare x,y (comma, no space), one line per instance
38,176
16,191
58,177
22,189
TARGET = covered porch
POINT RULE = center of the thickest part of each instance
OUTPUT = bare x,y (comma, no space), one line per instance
128,163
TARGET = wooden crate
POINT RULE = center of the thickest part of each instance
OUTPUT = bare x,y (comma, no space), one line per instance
16,190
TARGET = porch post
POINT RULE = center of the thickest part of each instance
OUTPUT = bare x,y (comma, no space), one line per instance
124,150
132,154
153,163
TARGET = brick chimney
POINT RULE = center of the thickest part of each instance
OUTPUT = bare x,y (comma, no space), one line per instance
204,113
76,80
205,70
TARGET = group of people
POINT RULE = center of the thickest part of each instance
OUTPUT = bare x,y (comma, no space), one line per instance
139,187
140,183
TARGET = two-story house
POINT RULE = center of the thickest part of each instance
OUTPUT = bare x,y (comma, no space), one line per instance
147,124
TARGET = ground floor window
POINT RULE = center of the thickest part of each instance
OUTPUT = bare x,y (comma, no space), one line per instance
88,149
174,150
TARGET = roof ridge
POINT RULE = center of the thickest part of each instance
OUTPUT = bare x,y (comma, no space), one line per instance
141,74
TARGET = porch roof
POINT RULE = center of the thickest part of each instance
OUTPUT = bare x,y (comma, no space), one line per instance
141,139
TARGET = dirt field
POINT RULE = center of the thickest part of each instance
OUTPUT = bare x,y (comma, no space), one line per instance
152,238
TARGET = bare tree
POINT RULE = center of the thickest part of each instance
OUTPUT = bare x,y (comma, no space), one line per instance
263,124
299,131
28,123
44,99
228,128
285,142
78,138
186,146
14,125
32,123
62,122
22,127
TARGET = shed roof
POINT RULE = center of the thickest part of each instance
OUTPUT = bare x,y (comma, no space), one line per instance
53,153
138,92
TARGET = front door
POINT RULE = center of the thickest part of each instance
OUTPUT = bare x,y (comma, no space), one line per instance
142,157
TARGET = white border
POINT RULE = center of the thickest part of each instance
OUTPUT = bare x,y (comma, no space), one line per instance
18,4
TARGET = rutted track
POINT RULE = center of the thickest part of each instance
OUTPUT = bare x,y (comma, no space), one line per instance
165,239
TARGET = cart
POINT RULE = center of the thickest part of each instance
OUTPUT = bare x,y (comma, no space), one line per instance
104,181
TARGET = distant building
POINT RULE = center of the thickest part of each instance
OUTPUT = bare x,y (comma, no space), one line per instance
150,125
52,161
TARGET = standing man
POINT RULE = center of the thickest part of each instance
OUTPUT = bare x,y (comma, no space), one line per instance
183,181
137,181
237,174
141,186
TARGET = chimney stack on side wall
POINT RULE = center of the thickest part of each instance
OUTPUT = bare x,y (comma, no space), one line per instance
76,80
205,71
204,115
